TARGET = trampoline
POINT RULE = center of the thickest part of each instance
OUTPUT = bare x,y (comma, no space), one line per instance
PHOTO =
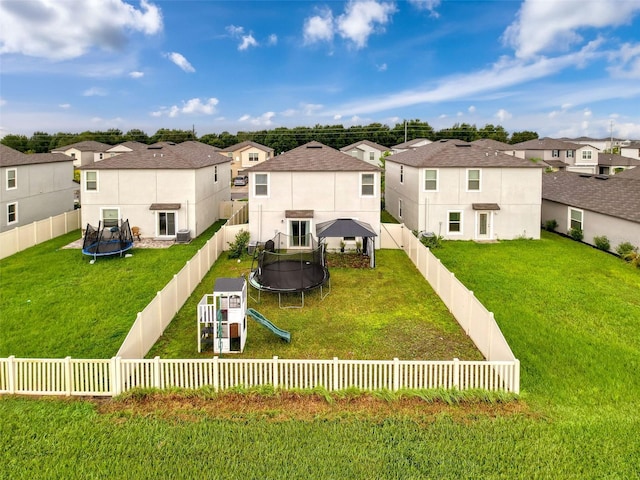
107,241
282,271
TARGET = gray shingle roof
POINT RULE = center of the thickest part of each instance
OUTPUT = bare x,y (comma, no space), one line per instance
313,157
613,159
615,196
85,146
13,158
546,144
631,173
245,144
456,153
409,143
164,156
375,145
494,144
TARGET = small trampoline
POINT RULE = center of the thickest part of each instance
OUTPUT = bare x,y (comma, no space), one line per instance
281,271
107,241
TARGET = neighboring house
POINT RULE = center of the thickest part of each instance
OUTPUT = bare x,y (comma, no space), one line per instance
370,152
246,154
577,157
163,189
496,145
293,192
34,187
411,144
630,149
601,144
462,191
84,153
596,204
611,164
124,147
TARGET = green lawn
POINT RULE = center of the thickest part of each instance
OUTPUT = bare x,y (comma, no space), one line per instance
571,314
54,303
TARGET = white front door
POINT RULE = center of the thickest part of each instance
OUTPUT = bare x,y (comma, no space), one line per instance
484,225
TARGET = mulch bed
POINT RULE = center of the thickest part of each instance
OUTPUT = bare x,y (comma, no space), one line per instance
347,260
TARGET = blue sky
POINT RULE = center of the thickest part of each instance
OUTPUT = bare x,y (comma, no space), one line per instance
561,68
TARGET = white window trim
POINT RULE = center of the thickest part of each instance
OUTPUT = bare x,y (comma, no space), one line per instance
15,204
255,185
570,153
449,232
290,234
84,183
479,179
15,178
157,222
251,154
424,179
102,209
570,209
362,195
489,224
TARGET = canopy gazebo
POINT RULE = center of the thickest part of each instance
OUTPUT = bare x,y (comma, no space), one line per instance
349,227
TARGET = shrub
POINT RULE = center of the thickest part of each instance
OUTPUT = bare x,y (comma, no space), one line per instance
576,234
239,245
625,248
550,225
602,243
431,241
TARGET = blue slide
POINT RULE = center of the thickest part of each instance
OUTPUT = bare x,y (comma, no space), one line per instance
257,316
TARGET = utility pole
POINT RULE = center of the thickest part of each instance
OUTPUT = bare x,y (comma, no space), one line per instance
405,131
611,130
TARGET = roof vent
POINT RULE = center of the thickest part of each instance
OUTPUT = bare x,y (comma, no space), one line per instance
585,175
464,145
602,177
314,146
154,147
171,143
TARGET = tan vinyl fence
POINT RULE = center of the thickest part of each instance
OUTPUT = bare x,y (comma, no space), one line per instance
109,377
20,238
151,322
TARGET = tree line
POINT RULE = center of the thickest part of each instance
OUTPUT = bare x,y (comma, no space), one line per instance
281,139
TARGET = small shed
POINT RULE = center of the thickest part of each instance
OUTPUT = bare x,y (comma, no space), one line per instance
222,317
349,228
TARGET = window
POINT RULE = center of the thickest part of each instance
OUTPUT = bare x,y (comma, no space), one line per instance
12,213
571,153
586,155
455,222
91,181
575,219
299,233
367,184
215,174
12,178
372,156
473,180
261,185
166,224
110,217
401,173
431,180
400,208
101,156
253,157
555,153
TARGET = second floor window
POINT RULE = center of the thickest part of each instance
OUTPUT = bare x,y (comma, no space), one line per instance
91,181
555,153
431,180
368,185
570,153
586,155
12,178
473,180
372,156
253,157
261,185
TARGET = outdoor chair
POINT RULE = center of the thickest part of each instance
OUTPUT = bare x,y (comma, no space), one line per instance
135,232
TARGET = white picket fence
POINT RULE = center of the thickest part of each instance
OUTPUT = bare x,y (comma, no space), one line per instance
110,377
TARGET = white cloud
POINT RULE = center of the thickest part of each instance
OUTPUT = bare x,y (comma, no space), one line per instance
459,114
337,116
272,39
363,18
94,92
234,31
180,61
319,28
503,115
194,106
3,102
382,68
547,25
311,108
587,112
64,30
136,74
247,41
65,106
626,61
263,120
471,109
429,5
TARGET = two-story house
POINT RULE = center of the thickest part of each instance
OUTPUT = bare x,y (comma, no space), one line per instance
462,191
246,154
163,189
34,187
575,157
295,191
366,150
630,149
410,144
85,152
611,164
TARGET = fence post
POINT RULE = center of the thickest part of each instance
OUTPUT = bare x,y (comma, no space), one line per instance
274,371
396,374
11,371
216,374
156,372
336,370
67,374
456,373
516,377
35,233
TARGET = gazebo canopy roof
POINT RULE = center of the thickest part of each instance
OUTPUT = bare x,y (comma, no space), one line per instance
344,227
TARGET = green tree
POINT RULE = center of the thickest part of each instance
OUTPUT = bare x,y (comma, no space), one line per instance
17,142
460,131
136,135
172,135
494,133
518,137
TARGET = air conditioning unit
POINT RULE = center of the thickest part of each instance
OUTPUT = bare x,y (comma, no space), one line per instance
183,236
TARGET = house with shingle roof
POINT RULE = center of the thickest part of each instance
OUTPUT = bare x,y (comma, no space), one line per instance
85,152
611,164
246,154
34,187
408,145
366,150
293,192
630,149
164,188
575,157
596,204
496,145
124,147
462,191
